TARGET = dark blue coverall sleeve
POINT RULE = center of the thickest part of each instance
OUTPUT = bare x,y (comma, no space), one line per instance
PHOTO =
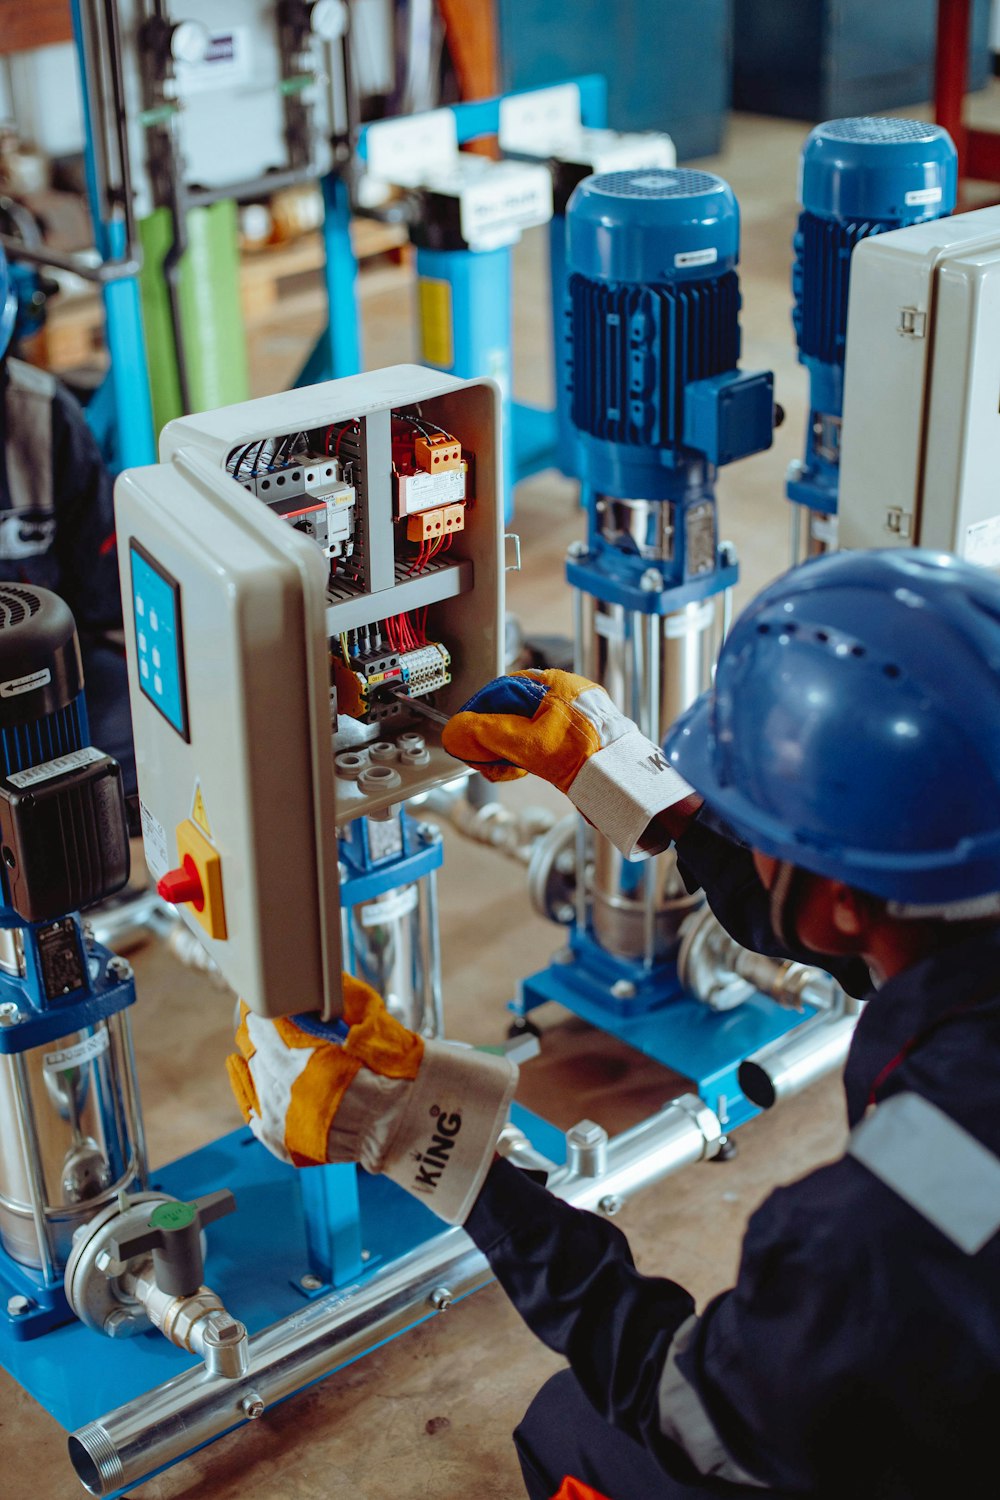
85,533
712,858
774,1367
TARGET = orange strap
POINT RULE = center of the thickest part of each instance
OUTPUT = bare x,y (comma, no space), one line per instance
574,1489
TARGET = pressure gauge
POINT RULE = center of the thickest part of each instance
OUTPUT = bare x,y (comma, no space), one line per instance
328,19
189,41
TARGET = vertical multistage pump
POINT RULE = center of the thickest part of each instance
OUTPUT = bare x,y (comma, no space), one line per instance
70,1135
659,404
857,177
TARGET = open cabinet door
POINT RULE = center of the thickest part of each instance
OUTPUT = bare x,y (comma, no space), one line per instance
230,688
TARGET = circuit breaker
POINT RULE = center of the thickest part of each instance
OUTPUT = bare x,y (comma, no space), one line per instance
303,576
921,440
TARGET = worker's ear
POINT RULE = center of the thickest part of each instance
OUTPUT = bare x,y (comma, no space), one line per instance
852,912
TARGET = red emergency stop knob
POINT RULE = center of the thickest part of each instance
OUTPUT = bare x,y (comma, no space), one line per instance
183,884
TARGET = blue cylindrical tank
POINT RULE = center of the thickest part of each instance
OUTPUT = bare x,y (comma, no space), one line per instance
654,334
857,177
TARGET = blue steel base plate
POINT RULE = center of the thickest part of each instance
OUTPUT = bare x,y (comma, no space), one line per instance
255,1259
705,1045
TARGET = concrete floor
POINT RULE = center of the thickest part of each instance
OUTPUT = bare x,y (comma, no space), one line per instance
431,1414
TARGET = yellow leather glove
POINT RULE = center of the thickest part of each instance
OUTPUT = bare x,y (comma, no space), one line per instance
425,1113
566,729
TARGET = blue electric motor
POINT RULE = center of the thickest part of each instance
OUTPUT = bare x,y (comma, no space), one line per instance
654,338
858,177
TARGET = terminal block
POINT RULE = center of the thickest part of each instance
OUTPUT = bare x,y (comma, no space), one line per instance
367,687
426,669
430,525
437,453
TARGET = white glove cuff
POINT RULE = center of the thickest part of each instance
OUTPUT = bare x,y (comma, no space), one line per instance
447,1132
621,788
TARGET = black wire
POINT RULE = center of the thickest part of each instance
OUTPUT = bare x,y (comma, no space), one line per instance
256,461
239,462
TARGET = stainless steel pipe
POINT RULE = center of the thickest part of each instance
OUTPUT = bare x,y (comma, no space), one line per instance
799,1058
159,1428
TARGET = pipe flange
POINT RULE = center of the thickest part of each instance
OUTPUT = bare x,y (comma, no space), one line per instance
552,872
91,1275
700,967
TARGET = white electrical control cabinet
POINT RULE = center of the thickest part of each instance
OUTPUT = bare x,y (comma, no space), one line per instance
921,437
302,576
222,75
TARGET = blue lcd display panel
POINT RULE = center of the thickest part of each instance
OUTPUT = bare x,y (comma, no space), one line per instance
156,613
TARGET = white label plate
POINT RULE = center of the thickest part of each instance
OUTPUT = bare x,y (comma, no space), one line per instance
57,767
76,1055
388,907
982,543
154,840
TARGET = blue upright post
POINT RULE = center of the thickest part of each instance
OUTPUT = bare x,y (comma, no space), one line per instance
466,325
337,351
133,439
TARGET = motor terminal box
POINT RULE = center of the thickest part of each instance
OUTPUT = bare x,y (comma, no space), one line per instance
264,645
63,834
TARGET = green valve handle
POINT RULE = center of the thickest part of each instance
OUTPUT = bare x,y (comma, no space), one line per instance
173,1234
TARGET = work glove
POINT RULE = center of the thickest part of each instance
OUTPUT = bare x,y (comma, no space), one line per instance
566,729
425,1113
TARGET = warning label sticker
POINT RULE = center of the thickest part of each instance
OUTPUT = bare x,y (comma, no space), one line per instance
198,813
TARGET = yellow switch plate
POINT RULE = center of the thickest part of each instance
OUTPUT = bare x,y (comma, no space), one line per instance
191,840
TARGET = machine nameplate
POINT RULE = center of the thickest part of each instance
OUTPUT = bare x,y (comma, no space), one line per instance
58,767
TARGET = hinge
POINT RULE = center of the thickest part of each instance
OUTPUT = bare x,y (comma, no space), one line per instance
912,323
899,521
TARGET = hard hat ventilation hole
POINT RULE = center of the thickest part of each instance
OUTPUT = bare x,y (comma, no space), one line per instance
892,671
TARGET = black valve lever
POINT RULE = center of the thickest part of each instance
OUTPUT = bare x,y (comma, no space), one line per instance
173,1234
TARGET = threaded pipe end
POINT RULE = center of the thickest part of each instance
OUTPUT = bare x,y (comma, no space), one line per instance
95,1459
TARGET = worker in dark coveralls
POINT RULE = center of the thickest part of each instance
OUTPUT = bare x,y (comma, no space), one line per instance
837,796
57,527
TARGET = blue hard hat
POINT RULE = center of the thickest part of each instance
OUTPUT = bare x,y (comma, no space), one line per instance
854,726
8,304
